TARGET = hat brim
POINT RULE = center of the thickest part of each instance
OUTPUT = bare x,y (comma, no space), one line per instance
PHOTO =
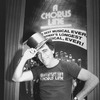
41,44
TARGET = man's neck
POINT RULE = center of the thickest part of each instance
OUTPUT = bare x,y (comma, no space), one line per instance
53,63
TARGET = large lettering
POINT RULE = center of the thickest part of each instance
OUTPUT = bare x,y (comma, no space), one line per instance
51,76
56,17
73,36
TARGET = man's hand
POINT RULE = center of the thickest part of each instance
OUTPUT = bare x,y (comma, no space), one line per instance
30,53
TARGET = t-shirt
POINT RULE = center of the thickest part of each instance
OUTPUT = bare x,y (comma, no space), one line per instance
56,83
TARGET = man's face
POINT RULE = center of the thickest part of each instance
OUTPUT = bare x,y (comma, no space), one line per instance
45,55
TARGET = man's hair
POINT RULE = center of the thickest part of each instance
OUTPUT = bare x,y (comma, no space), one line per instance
50,44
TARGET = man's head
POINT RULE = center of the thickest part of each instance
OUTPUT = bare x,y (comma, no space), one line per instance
46,55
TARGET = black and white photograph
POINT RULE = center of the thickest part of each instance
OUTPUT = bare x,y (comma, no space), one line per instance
50,50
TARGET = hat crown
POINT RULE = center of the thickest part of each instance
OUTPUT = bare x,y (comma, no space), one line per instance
35,40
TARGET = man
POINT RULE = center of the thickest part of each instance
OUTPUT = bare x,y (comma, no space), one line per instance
55,76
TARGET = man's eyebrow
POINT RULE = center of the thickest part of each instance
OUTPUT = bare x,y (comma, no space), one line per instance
44,49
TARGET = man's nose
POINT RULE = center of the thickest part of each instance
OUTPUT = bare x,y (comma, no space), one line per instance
43,55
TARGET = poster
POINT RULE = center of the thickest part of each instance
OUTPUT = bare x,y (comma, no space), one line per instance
65,22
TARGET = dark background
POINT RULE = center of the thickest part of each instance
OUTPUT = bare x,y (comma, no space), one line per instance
2,43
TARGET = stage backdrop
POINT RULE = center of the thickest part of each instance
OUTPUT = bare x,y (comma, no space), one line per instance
65,22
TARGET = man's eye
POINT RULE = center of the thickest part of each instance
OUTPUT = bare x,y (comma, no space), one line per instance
44,50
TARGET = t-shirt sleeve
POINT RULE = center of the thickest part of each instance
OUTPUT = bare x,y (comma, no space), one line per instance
73,69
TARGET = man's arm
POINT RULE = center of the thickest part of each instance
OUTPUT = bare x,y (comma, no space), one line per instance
21,75
91,82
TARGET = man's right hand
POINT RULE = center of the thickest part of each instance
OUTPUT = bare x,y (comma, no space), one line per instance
30,53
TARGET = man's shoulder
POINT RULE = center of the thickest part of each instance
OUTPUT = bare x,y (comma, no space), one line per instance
67,62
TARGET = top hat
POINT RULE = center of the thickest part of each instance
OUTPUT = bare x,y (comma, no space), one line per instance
36,41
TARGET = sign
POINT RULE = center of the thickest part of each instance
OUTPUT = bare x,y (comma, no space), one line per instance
68,35
56,17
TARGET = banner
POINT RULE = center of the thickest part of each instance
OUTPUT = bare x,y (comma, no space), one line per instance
68,35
